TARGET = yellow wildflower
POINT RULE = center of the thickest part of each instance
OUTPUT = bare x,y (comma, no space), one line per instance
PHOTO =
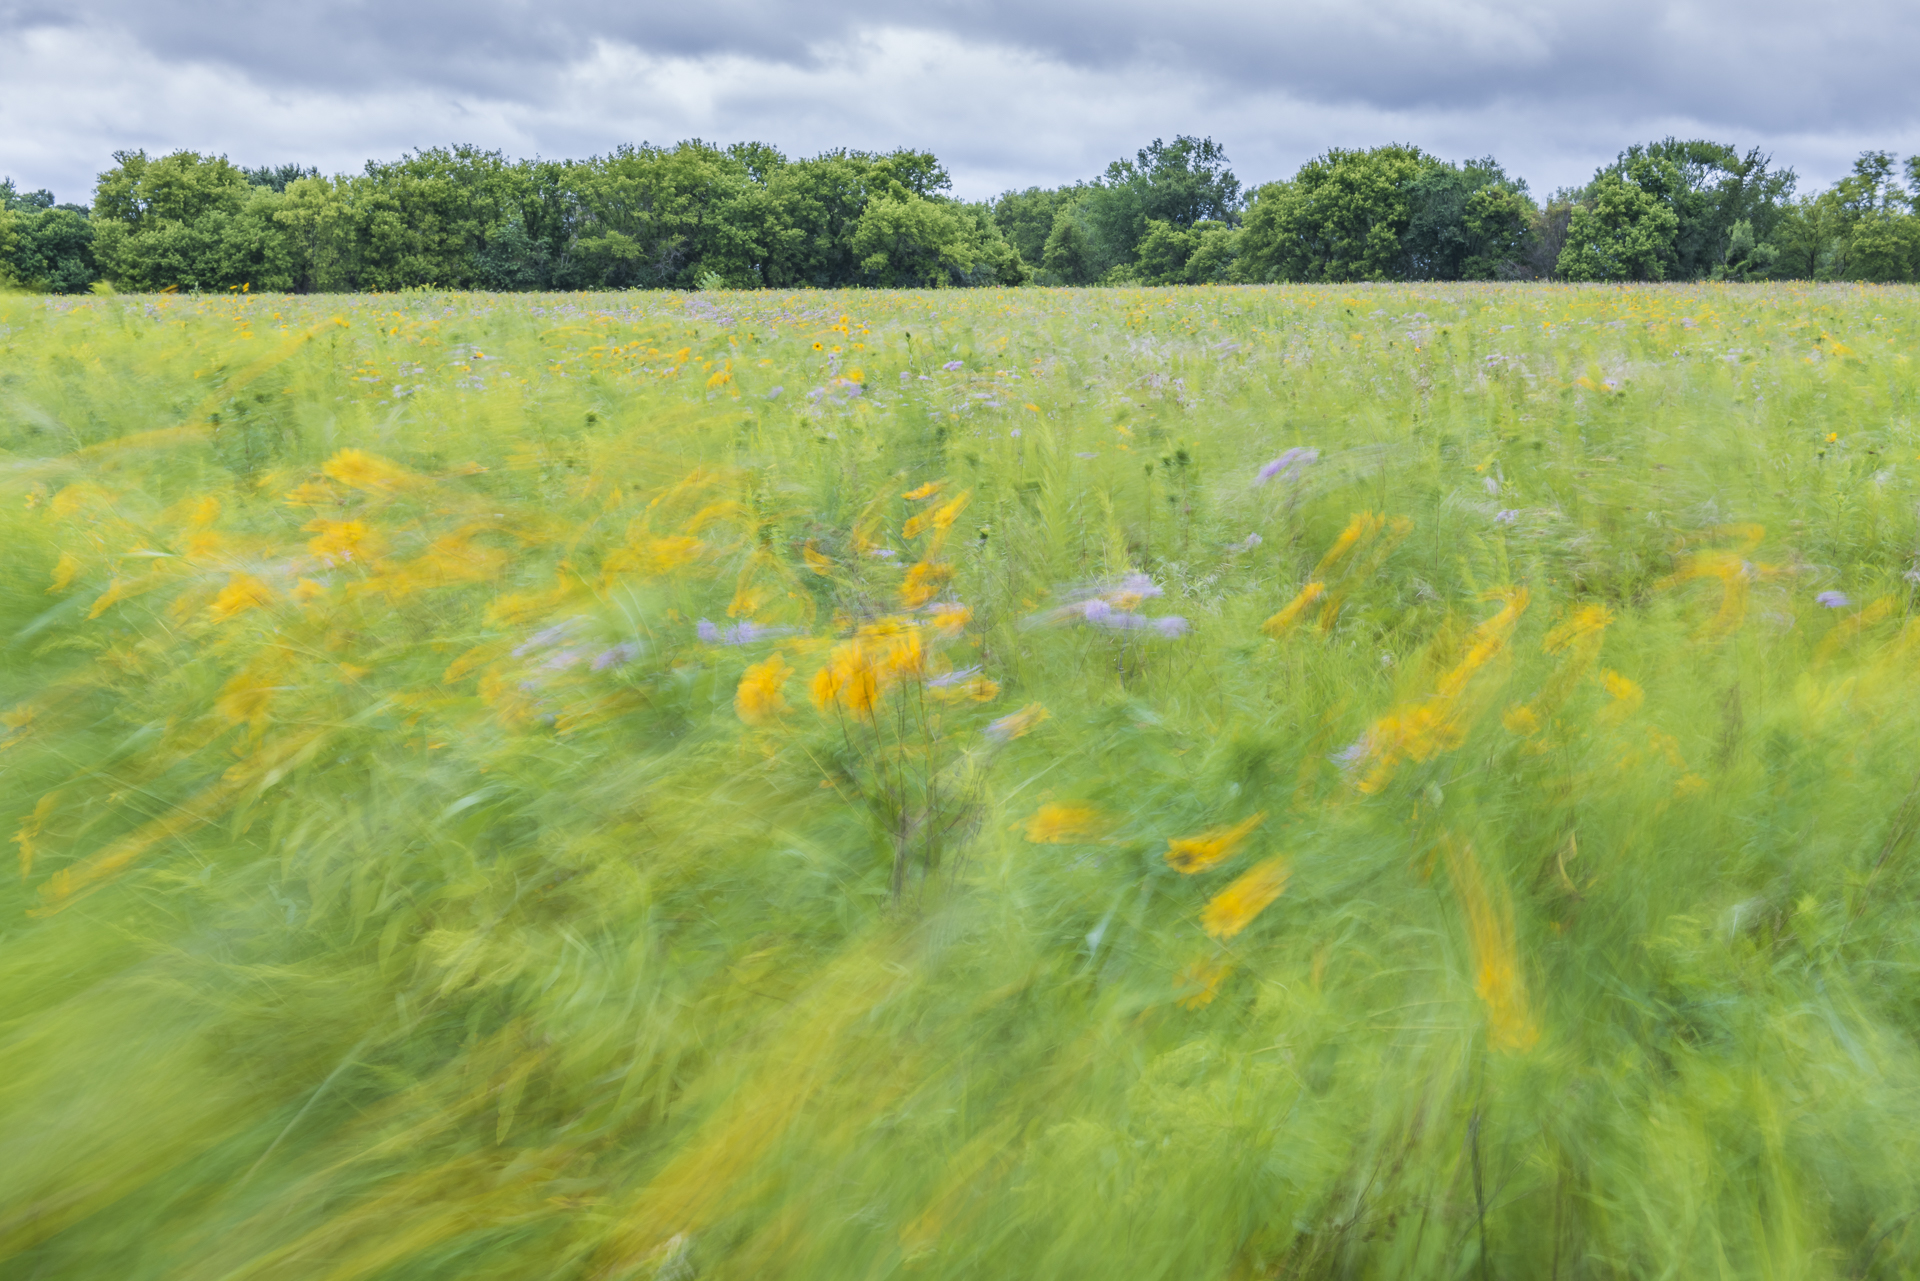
1438,723
242,592
63,572
927,490
1278,625
1200,982
1359,530
339,540
1017,724
30,831
312,493
1192,854
1520,719
758,699
1626,695
816,562
923,583
951,620
1064,824
849,680
1233,909
204,512
360,470
1497,978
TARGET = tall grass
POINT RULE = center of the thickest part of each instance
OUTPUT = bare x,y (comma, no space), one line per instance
501,792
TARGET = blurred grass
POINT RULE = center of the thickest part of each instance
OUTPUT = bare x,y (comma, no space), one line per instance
410,885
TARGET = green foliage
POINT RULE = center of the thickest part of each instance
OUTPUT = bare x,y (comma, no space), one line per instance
1344,216
1621,231
1508,868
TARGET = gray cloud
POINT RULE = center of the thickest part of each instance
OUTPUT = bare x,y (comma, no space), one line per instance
1006,92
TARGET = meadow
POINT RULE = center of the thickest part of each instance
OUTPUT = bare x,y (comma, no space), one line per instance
1361,781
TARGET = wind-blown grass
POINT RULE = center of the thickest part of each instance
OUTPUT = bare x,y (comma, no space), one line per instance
843,785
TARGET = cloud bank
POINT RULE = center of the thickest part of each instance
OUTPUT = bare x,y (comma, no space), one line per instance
1008,95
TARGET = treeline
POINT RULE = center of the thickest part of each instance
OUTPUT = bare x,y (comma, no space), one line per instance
701,216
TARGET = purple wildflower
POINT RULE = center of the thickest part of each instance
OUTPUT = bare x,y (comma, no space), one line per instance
1833,600
1289,464
745,633
619,656
954,677
547,637
1507,517
953,366
775,393
1172,626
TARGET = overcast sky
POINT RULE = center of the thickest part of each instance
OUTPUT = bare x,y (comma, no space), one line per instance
1007,94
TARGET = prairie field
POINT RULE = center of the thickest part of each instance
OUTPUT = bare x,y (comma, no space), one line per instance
1347,781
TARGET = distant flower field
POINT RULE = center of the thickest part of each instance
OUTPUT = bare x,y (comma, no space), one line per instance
1268,782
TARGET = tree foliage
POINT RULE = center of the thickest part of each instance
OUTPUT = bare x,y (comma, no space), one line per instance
747,216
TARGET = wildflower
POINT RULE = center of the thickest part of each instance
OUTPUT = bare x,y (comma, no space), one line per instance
816,562
1278,625
619,656
1359,530
1419,730
1064,824
1201,982
1626,695
1247,544
63,572
1497,979
307,589
311,493
953,366
29,831
946,514
242,592
1233,909
742,633
1016,724
849,680
758,699
1833,438
923,583
927,490
1192,854
339,541
950,619
1520,720
360,470
775,393
1834,600
1289,464
1507,517
956,677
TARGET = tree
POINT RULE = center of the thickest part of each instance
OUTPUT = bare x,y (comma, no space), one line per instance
1709,187
1027,218
1465,222
1344,216
1622,231
48,248
1068,257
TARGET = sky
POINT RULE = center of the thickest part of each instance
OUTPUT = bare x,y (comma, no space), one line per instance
1007,94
